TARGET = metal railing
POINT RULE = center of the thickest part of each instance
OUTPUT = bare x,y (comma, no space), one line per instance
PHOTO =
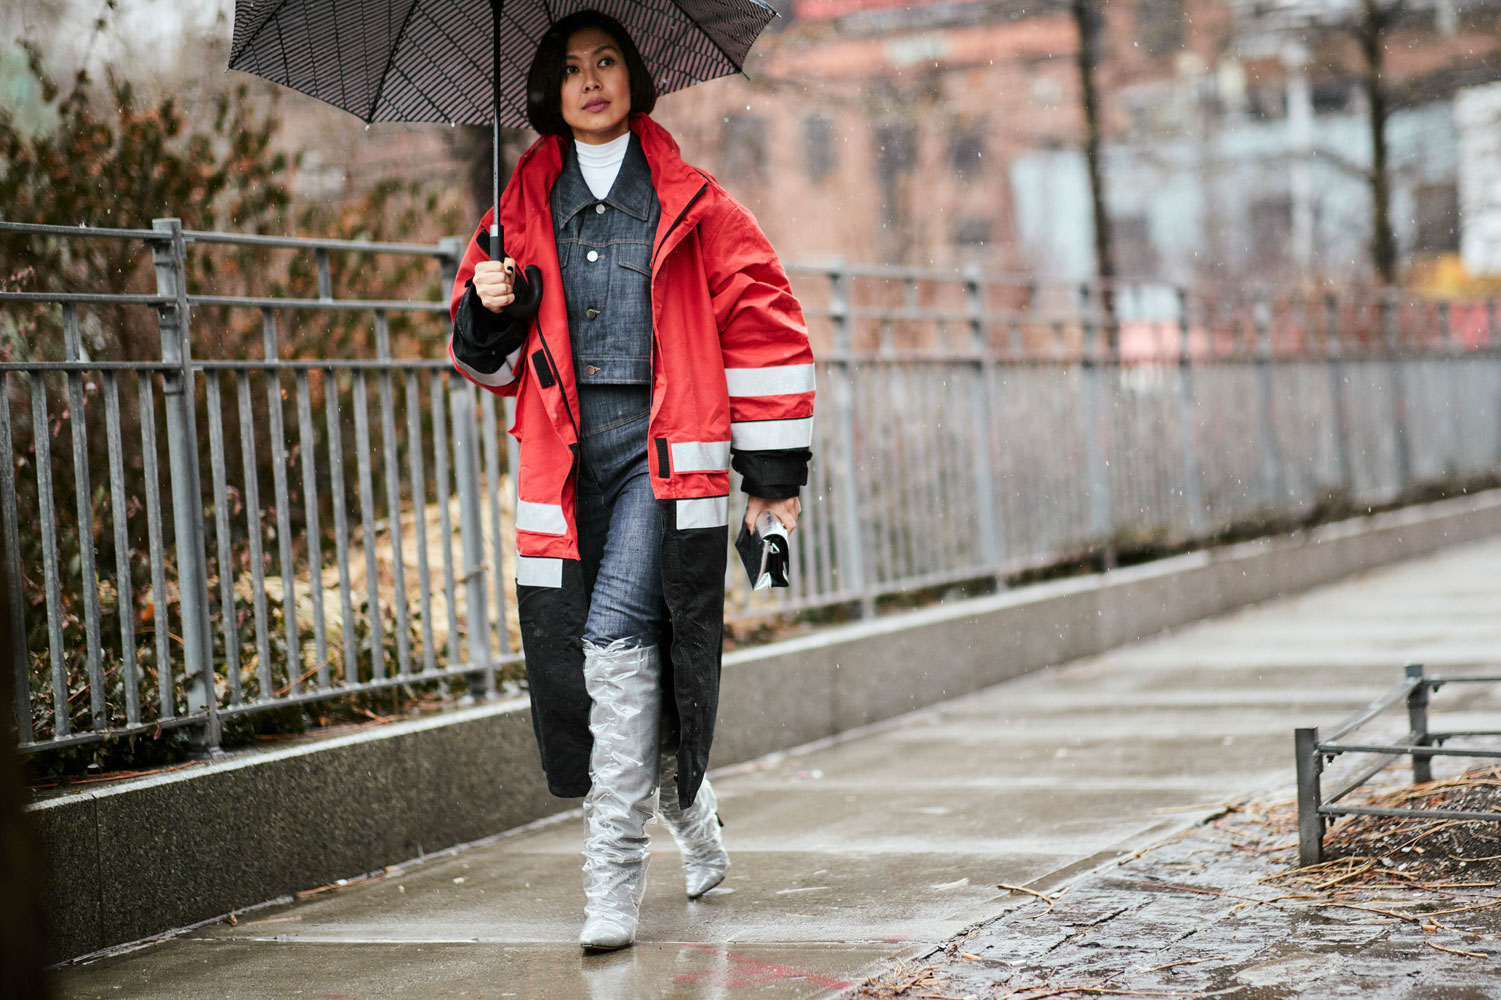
1316,750
970,428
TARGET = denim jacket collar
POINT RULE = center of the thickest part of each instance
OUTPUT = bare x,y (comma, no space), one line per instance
631,192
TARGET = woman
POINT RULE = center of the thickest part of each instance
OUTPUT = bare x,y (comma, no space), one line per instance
667,348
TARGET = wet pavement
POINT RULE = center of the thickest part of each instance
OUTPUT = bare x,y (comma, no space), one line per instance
1196,917
887,843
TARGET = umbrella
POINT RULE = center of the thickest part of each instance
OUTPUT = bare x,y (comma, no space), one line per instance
435,60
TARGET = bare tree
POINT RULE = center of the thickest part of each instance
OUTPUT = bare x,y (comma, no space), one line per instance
1087,21
1370,31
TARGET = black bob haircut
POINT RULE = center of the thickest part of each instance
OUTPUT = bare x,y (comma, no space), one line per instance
544,84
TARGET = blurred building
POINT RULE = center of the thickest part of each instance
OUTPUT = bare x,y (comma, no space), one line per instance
1237,136
948,133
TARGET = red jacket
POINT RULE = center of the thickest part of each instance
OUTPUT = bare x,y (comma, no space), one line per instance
732,372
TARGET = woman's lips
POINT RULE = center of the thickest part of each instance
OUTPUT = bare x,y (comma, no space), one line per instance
597,105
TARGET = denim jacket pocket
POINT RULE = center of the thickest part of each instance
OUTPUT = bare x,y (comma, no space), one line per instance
635,256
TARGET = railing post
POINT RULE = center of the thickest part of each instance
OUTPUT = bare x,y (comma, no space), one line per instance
1400,453
170,258
842,381
1335,357
985,448
1417,721
1013,323
450,252
1193,489
1096,430
1492,343
325,275
461,407
1271,461
1310,823
1454,365
15,604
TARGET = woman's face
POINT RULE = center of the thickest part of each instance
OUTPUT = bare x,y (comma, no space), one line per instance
596,87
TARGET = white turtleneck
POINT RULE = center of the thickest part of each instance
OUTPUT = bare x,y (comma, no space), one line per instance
601,164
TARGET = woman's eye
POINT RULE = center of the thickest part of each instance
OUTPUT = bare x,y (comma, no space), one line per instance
570,70
607,61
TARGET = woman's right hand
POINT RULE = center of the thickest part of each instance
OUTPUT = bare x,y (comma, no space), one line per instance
493,283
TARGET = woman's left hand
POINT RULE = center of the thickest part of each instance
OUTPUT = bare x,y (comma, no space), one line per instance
785,511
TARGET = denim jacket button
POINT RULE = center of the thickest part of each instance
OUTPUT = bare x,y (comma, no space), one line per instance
592,256
600,208
591,313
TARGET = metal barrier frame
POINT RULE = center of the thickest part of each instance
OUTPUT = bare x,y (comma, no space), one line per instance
1316,750
931,469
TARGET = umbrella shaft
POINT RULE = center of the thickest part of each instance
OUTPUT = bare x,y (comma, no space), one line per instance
497,235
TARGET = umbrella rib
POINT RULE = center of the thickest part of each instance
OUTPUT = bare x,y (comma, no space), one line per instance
343,87
386,71
281,44
712,40
312,62
420,92
480,107
438,66
510,57
257,32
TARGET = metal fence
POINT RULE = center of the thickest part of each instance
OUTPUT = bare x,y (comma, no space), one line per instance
970,427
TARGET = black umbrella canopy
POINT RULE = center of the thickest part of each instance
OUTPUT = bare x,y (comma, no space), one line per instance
431,60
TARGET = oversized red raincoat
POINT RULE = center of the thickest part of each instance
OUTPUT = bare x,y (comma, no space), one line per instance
732,377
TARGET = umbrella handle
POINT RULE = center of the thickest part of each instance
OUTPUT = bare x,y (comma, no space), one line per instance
528,291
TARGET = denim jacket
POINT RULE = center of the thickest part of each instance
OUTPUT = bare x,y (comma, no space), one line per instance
604,253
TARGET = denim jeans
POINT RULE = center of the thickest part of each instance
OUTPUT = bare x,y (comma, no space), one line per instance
620,529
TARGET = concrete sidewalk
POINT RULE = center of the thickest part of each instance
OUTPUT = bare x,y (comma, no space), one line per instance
880,844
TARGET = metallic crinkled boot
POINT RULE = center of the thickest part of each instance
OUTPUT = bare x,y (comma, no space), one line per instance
696,829
625,722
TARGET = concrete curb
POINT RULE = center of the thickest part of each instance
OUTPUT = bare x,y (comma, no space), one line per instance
144,856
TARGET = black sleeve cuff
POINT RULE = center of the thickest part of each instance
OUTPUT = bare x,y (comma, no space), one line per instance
482,339
772,475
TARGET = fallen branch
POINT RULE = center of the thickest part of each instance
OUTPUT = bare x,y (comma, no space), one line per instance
341,884
122,775
279,692
1373,909
1062,990
1456,951
1030,892
1186,961
1370,863
1207,892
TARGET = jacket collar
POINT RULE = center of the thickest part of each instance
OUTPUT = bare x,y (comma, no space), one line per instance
631,193
677,184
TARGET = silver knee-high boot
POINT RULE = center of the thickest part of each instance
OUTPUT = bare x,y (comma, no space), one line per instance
696,829
625,721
